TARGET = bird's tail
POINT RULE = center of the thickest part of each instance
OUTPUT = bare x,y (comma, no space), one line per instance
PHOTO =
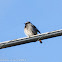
40,41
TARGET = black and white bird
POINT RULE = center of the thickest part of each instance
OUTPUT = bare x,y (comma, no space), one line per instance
31,30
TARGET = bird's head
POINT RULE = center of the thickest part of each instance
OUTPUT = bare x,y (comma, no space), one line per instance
27,23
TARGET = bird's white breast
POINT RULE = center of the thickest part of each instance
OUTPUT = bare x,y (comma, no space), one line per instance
28,31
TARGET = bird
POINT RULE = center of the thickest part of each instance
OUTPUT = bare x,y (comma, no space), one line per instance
31,30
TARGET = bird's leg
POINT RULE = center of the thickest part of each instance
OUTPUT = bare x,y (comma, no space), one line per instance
40,41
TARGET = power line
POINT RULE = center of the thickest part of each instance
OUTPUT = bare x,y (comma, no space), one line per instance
31,39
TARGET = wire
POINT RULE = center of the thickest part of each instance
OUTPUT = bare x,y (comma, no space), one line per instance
30,39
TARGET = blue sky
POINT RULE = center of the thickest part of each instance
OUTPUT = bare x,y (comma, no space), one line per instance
46,15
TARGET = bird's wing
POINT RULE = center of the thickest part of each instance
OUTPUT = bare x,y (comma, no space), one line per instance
36,29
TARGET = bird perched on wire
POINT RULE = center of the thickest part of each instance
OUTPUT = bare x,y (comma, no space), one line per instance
31,30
